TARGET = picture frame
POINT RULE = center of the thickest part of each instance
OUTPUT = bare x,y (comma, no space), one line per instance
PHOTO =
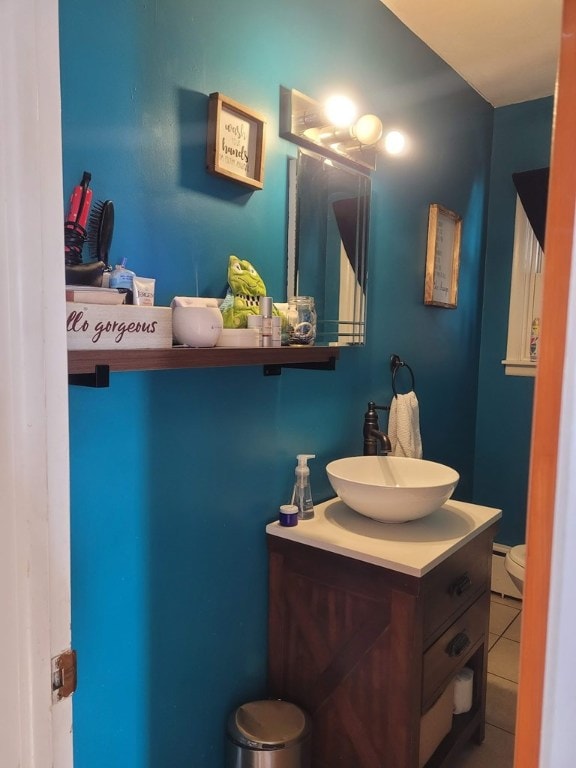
235,142
442,257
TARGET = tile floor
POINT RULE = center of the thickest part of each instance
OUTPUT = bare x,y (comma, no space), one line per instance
497,751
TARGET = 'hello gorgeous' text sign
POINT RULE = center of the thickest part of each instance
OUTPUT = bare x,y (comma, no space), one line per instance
102,326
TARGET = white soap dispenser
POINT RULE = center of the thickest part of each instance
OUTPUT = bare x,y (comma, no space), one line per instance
302,495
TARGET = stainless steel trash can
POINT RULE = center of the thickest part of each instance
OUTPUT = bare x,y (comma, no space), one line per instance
268,734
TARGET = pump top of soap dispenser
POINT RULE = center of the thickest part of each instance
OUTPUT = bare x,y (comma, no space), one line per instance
302,467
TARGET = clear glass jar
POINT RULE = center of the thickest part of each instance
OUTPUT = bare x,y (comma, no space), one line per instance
301,321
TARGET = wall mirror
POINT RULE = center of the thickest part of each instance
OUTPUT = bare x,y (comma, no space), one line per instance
328,222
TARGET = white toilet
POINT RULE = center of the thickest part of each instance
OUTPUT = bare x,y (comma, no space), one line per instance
515,564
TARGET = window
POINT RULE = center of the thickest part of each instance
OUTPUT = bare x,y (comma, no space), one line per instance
525,299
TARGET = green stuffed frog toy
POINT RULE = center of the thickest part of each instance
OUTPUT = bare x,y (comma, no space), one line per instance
245,286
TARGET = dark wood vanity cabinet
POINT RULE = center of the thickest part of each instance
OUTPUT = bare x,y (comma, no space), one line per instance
367,650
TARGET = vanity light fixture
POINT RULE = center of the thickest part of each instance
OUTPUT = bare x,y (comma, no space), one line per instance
332,130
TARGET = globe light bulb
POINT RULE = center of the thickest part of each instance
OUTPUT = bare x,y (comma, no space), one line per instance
394,142
340,111
368,129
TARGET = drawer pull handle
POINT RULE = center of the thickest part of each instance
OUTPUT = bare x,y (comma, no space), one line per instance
457,645
461,585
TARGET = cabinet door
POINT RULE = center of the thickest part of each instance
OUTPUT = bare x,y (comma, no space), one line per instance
343,647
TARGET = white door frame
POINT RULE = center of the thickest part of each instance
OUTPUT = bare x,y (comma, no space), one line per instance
34,462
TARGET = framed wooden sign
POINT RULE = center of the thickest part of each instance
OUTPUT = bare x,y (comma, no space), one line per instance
235,142
442,257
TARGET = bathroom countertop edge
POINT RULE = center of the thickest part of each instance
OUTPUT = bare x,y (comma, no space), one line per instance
413,548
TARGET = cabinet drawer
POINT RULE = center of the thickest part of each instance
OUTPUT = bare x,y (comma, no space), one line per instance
453,648
455,584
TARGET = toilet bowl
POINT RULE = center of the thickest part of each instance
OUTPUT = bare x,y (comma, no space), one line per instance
515,564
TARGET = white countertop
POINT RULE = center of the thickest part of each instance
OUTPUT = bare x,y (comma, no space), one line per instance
414,547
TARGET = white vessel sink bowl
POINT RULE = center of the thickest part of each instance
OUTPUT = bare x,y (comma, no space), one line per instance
392,489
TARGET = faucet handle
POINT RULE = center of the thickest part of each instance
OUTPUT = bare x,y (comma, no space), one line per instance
372,406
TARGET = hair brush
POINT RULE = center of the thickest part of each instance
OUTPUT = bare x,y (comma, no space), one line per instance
100,230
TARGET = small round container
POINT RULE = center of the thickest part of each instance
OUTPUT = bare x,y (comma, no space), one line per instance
196,326
301,317
288,515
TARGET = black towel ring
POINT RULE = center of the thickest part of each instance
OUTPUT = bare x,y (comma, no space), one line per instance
395,364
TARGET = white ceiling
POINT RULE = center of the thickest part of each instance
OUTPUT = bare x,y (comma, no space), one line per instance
506,50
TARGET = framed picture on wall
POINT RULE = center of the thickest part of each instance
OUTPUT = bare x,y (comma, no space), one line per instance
235,142
442,257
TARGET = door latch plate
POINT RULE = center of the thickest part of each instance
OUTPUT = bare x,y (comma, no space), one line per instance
64,674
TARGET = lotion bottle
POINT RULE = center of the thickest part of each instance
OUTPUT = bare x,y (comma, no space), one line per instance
266,314
302,494
121,278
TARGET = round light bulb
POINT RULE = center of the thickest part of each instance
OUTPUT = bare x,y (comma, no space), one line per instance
394,142
340,111
368,129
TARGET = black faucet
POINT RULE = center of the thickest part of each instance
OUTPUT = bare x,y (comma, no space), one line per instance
372,433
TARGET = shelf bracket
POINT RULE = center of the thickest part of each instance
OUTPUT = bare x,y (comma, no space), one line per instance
99,378
275,369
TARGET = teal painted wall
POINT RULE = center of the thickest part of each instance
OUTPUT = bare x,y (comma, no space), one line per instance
522,136
174,474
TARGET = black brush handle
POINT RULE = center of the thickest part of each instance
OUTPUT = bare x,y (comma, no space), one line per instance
106,231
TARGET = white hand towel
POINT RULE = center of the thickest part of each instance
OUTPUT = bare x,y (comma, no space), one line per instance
404,426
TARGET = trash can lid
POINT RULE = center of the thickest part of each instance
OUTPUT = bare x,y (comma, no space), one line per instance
268,724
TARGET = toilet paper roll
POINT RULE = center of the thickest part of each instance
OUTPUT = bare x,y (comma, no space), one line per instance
463,689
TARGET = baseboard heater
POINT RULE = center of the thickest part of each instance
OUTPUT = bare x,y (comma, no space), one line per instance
502,584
